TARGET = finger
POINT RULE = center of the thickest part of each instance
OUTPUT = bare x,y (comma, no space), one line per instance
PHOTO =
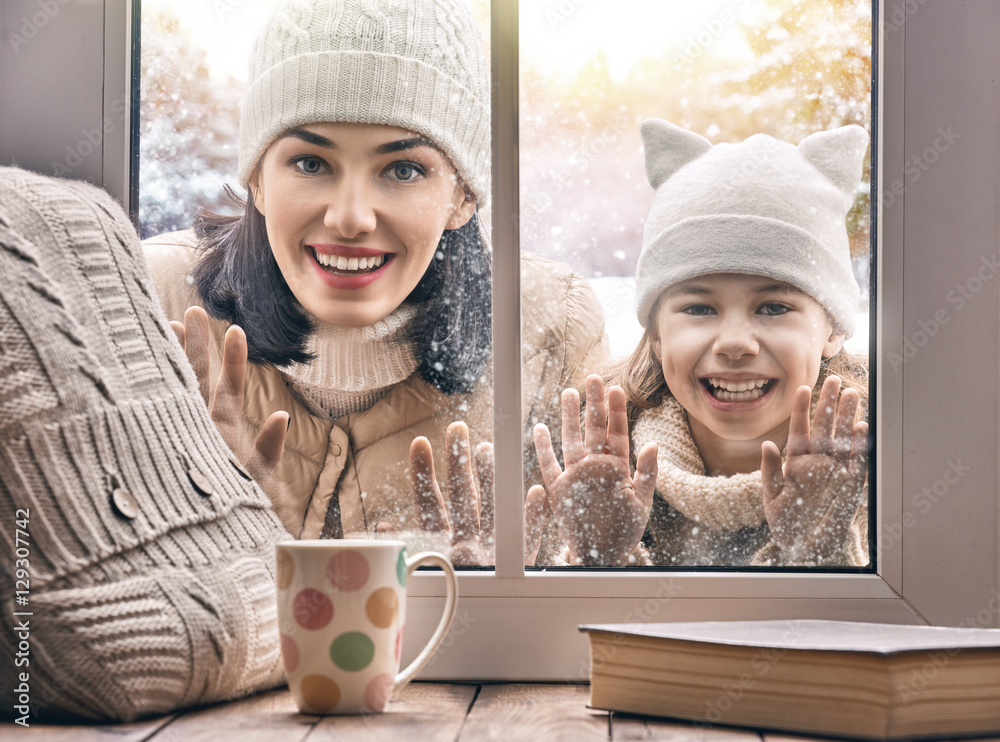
798,424
617,423
196,339
270,444
178,329
384,527
463,494
227,404
487,491
596,416
572,440
821,436
423,483
534,523
771,476
646,469
843,441
547,461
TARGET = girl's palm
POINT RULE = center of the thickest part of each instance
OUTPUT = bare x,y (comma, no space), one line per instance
600,507
811,502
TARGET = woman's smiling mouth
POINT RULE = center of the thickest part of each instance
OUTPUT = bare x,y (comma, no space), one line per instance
743,390
348,268
349,265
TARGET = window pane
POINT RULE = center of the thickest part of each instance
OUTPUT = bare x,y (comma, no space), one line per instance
590,73
378,379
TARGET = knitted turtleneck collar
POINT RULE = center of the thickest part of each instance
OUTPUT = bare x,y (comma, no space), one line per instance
354,366
719,503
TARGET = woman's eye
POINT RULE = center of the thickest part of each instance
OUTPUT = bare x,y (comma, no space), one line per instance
405,171
773,308
698,310
309,165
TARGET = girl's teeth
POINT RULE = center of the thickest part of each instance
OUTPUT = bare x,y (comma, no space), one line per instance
737,386
737,391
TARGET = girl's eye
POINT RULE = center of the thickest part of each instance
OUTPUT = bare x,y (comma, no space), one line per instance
698,310
405,172
309,165
773,308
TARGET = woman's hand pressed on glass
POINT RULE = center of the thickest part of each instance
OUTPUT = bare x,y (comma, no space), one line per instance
226,402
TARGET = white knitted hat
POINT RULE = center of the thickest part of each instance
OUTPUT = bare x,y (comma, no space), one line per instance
761,207
415,64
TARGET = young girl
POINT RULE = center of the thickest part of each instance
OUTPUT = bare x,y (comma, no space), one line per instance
746,294
360,273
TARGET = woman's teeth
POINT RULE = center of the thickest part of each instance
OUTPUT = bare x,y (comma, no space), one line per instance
340,263
738,391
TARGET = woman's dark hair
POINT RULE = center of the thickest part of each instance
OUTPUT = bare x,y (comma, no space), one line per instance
239,281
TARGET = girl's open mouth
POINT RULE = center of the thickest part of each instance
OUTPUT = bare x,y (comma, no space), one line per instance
339,265
745,390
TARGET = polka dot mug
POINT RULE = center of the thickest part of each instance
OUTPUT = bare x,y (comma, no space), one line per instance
341,613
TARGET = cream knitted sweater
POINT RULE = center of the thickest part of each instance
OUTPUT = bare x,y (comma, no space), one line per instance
354,367
150,556
698,520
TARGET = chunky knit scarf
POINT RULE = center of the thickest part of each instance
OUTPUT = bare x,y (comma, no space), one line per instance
714,521
717,503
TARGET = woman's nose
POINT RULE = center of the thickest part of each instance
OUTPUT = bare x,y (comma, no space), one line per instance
736,338
351,209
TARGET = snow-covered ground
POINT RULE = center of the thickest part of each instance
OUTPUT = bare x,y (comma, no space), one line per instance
617,297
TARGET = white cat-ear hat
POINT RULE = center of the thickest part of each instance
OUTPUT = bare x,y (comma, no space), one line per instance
760,207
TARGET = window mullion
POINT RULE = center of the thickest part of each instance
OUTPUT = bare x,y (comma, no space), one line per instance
506,293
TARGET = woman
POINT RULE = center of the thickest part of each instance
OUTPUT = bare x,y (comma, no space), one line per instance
360,273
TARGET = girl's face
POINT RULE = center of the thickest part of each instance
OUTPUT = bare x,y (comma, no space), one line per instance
734,349
354,214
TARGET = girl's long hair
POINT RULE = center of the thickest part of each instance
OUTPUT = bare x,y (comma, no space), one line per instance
239,281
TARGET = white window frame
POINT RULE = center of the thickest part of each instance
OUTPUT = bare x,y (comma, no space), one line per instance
939,410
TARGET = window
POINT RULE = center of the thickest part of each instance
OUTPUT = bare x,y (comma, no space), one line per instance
589,74
937,385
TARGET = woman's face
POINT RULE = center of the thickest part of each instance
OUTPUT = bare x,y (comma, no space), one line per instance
734,349
354,214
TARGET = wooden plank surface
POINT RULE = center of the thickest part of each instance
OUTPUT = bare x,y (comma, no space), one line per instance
429,712
262,718
137,732
435,712
518,711
632,729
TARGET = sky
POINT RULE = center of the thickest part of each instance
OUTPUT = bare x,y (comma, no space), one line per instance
558,36
561,35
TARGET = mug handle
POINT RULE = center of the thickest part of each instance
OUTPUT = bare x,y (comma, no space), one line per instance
451,602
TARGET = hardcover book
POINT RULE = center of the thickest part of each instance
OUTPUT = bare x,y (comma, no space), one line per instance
841,678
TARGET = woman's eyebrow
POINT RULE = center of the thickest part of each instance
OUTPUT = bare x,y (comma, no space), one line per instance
403,144
310,138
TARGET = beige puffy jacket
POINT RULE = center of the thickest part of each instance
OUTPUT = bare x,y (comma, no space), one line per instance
341,477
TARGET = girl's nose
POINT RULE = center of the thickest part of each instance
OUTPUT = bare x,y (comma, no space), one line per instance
736,338
351,209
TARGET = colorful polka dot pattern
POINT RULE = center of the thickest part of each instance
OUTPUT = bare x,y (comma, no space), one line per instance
312,609
341,617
